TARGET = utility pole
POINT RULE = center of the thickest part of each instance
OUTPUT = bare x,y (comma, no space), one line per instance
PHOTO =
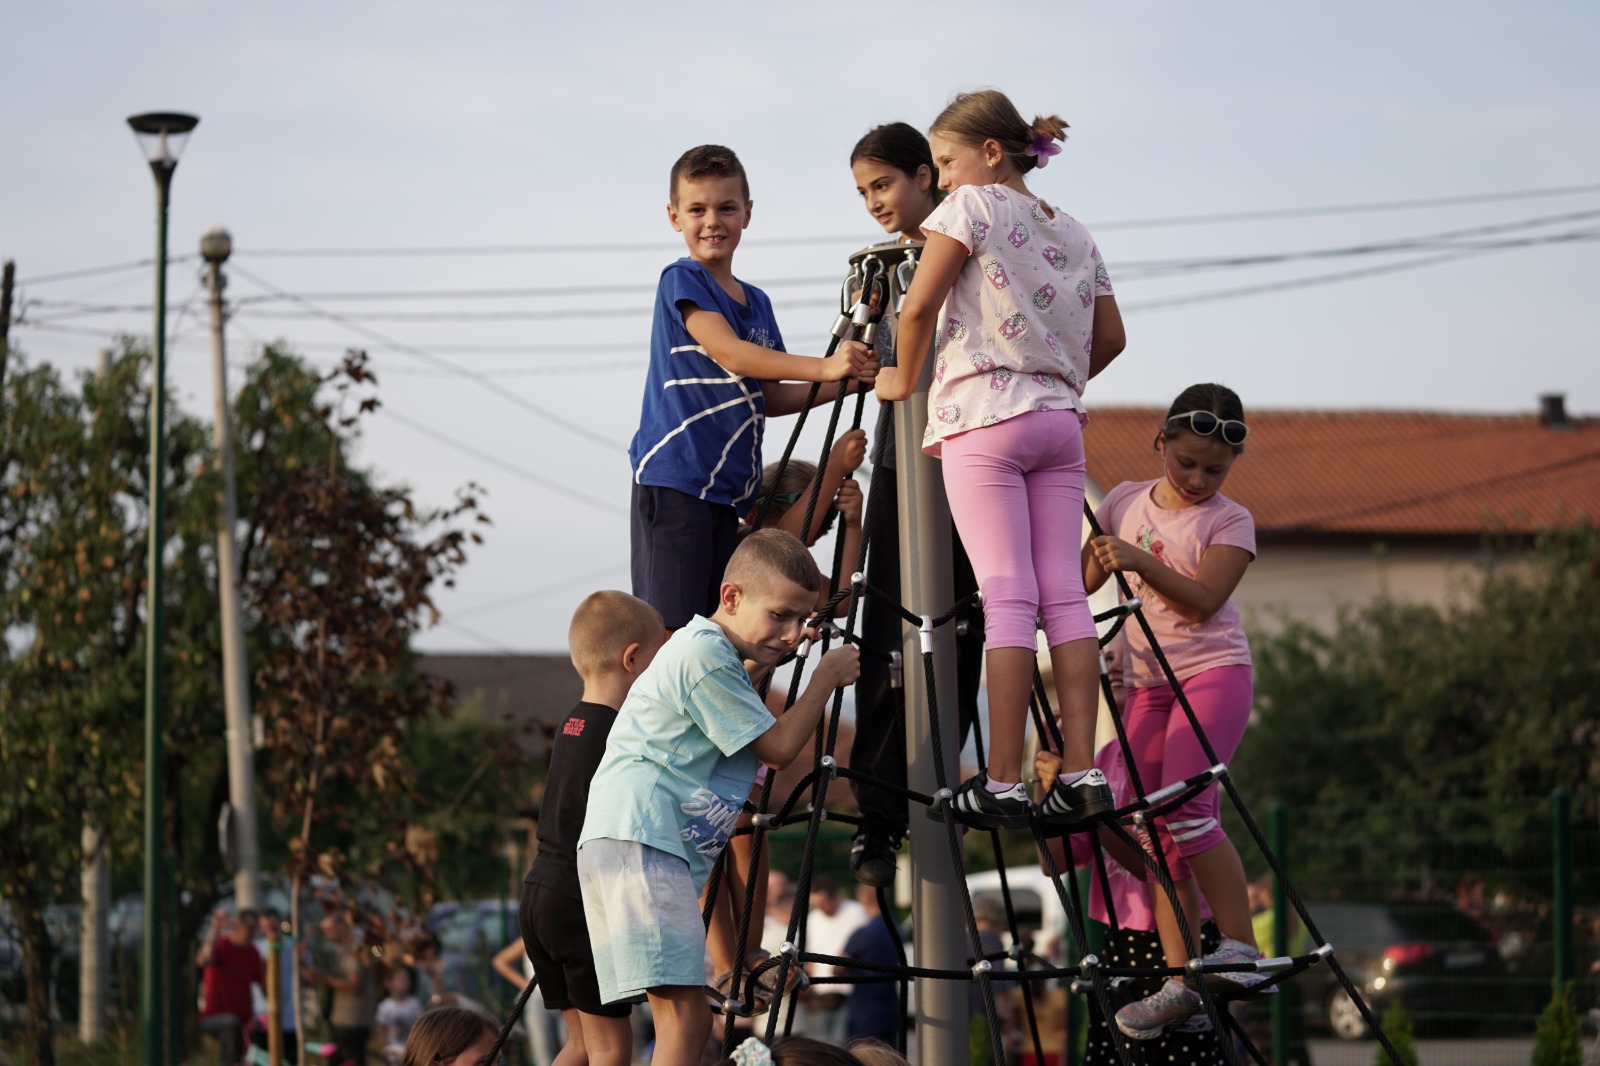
94,964
8,281
215,246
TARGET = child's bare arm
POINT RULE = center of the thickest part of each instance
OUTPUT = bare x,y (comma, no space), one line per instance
712,332
1194,599
1109,336
937,270
778,746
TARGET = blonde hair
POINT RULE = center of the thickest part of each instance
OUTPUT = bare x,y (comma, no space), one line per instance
988,114
769,552
778,494
604,624
443,1033
870,1051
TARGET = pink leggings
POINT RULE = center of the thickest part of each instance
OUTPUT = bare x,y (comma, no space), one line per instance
1166,750
1016,494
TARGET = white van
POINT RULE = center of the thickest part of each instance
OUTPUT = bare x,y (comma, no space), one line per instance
1040,916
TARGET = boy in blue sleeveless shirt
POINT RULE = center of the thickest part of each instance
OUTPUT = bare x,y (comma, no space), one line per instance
716,370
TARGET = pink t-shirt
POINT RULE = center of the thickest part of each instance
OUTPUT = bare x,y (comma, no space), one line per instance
1179,538
1015,330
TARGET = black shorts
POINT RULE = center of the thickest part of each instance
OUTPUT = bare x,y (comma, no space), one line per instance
556,936
680,547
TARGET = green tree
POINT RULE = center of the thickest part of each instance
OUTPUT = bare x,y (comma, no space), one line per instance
339,571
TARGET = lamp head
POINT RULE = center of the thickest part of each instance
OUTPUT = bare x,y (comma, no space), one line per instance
162,135
215,245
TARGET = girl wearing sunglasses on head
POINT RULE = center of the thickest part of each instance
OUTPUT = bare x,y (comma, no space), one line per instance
1183,548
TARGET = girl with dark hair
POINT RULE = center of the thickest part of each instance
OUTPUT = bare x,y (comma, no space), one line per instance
898,184
1183,548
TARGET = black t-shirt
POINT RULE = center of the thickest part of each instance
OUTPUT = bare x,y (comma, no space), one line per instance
574,757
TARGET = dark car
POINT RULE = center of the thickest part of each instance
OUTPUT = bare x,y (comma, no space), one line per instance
1439,963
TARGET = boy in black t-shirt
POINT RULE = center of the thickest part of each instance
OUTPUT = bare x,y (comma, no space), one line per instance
612,639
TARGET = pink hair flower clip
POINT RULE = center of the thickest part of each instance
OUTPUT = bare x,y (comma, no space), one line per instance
1042,148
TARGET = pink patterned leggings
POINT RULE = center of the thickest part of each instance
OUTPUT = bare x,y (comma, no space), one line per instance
1016,494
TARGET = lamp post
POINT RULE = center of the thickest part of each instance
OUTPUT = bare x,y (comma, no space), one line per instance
161,136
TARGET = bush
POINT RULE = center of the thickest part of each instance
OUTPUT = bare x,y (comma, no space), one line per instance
1396,1025
1556,1043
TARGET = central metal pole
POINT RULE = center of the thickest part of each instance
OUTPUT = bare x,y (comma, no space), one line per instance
927,583
154,633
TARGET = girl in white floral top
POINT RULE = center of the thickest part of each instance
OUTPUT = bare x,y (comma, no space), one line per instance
1016,303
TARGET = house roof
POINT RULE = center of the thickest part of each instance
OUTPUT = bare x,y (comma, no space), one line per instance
518,688
1418,473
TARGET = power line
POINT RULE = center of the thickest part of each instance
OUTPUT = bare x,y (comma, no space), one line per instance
538,593
547,315
494,460
1351,209
113,268
433,360
1163,303
535,292
778,242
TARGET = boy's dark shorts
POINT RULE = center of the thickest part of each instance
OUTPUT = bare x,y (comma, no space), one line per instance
680,546
556,936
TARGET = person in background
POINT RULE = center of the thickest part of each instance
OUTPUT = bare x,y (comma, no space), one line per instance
272,937
230,965
350,979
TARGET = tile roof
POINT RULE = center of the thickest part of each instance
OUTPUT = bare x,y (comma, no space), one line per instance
1382,472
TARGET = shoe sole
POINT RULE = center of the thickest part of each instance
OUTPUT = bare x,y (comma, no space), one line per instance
1153,1034
1088,812
979,820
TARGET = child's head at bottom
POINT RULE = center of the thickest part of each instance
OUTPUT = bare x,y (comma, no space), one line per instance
789,1051
614,634
870,1051
449,1036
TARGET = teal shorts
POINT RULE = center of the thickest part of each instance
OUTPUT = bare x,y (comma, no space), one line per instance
644,918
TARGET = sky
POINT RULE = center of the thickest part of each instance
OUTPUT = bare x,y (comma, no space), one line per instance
526,147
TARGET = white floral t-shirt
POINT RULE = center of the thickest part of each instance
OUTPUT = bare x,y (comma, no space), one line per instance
1015,331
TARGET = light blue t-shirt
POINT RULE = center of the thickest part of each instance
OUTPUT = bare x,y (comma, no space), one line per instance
678,765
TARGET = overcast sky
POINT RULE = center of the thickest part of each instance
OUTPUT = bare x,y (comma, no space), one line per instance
517,126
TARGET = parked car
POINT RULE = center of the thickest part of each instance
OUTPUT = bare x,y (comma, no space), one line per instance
1438,962
1041,919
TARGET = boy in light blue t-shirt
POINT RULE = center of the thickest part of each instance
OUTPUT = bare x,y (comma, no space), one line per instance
678,767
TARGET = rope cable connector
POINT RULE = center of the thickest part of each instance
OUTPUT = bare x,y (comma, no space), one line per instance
841,326
963,626
897,670
870,334
830,766
1016,951
926,630
1324,953
943,797
982,967
763,820
858,578
1133,604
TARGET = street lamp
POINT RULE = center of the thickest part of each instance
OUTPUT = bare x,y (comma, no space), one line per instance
161,136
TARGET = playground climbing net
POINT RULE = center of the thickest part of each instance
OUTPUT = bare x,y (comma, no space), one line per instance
871,294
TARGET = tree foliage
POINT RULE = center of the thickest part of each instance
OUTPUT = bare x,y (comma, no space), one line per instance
337,574
1419,715
1557,1041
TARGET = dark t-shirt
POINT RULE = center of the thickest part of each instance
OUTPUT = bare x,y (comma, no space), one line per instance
579,745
